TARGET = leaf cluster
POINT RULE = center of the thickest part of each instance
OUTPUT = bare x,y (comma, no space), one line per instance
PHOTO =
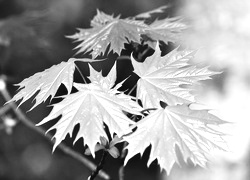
159,115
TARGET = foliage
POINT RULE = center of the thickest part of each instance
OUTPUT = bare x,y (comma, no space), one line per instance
115,32
159,115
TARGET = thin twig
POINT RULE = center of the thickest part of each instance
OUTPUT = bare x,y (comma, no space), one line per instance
99,167
67,150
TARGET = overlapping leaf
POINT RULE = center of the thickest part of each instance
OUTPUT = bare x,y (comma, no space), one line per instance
93,105
166,30
191,130
162,78
115,32
99,103
148,14
46,83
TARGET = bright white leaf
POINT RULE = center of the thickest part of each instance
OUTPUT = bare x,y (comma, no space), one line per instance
166,30
109,33
93,105
114,32
193,131
148,14
46,83
162,78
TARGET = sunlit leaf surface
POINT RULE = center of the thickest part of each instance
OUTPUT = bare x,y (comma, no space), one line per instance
191,130
93,105
109,33
163,78
46,83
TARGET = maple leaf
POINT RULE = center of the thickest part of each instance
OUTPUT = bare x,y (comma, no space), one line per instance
93,105
166,30
162,78
107,31
148,14
46,83
193,131
112,31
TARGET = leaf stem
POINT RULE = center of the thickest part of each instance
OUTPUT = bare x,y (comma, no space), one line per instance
67,150
81,74
149,109
133,88
99,167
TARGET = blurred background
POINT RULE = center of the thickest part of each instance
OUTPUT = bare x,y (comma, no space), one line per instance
32,38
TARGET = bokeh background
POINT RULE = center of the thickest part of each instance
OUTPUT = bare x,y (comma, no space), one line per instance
32,38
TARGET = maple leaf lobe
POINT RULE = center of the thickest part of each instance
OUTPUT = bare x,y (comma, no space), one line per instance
46,83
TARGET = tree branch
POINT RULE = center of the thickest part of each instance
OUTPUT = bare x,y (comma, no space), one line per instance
4,109
67,150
